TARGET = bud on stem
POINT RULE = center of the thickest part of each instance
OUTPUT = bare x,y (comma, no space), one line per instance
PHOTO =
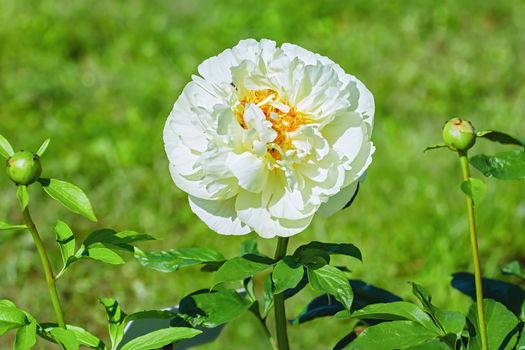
459,134
24,168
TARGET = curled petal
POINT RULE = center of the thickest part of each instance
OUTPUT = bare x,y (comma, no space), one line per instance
249,170
250,211
220,216
338,201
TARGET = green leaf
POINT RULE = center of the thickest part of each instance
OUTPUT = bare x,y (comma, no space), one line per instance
424,297
104,254
453,322
429,148
317,254
267,298
504,165
514,269
475,189
108,246
43,148
432,344
7,303
11,317
521,341
25,337
86,338
23,196
286,274
399,310
499,137
322,306
248,286
175,259
426,300
65,240
6,226
151,314
509,294
249,246
501,326
159,338
65,337
123,239
116,319
331,280
211,309
240,267
392,335
70,196
5,148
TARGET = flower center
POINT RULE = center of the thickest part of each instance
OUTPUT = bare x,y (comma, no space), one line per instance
284,118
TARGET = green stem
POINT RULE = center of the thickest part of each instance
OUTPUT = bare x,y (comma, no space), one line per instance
255,310
465,169
269,336
50,279
280,311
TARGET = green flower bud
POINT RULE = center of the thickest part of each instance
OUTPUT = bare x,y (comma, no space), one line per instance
24,168
459,134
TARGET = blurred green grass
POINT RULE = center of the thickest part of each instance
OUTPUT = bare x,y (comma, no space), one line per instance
100,78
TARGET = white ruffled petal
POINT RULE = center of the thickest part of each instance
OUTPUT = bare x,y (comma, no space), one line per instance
338,201
193,187
250,171
220,216
254,118
360,164
250,211
366,105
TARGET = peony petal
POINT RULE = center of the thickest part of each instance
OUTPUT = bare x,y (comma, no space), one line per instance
249,170
182,157
192,187
250,211
360,164
366,105
255,118
338,202
308,140
291,206
220,216
217,69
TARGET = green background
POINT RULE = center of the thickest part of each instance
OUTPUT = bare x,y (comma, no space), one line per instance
99,78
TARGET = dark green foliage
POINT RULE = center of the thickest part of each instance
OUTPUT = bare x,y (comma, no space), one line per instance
502,326
175,259
508,165
500,137
212,308
510,295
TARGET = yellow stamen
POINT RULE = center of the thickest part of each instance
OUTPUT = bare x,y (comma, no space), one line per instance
282,122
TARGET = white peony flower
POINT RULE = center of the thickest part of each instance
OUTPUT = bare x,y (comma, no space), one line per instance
267,136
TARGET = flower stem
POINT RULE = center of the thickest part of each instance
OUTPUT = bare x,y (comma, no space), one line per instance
280,311
255,310
465,169
50,279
